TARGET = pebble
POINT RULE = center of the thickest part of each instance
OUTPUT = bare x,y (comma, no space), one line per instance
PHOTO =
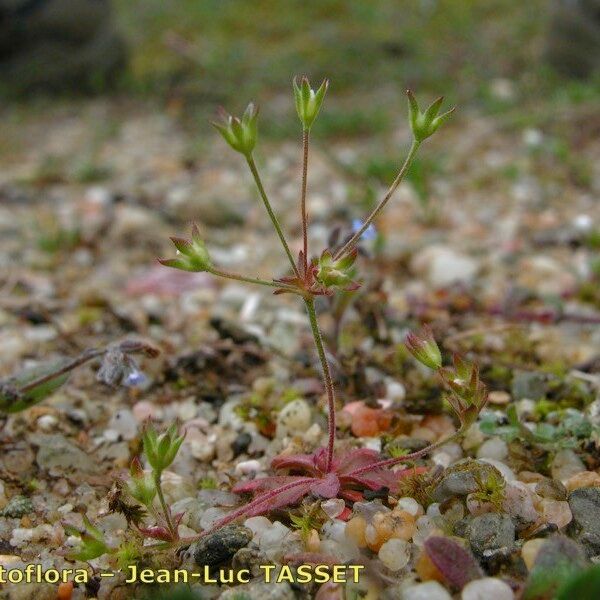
565,465
585,479
17,507
499,397
247,467
395,554
425,527
394,390
491,532
176,487
294,417
585,508
241,443
333,508
556,512
458,483
400,525
202,447
260,591
47,423
430,590
519,503
220,546
487,588
210,516
494,448
530,550
411,506
473,437
443,266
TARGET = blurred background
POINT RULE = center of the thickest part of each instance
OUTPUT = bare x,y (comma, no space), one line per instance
105,146
500,55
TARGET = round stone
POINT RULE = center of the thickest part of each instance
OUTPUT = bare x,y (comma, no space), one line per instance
494,448
430,590
395,554
487,588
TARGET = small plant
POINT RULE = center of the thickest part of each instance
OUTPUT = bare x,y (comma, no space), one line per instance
27,388
137,498
331,272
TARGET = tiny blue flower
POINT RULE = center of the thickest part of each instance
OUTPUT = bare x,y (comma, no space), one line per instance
135,378
370,232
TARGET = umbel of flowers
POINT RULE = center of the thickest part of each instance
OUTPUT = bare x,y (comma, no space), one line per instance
328,272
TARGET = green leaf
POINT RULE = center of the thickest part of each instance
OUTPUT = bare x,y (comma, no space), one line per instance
38,393
583,586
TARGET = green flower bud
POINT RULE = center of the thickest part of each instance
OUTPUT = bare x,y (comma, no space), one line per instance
336,273
141,486
423,347
308,101
240,134
161,450
193,255
425,124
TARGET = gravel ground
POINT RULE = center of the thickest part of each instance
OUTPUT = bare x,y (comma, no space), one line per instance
504,264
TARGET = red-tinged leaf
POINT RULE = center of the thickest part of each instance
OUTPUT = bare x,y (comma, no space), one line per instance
263,484
296,462
271,501
352,495
453,561
328,487
355,459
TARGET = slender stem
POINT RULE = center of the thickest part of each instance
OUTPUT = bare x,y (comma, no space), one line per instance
349,245
76,362
305,140
261,503
265,199
314,325
163,504
390,462
257,280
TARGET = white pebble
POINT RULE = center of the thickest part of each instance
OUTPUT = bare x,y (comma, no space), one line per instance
494,448
257,525
333,508
410,505
65,509
47,422
430,590
248,466
211,516
395,554
487,588
294,417
394,390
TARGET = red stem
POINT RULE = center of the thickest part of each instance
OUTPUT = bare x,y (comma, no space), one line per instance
390,462
305,135
264,498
